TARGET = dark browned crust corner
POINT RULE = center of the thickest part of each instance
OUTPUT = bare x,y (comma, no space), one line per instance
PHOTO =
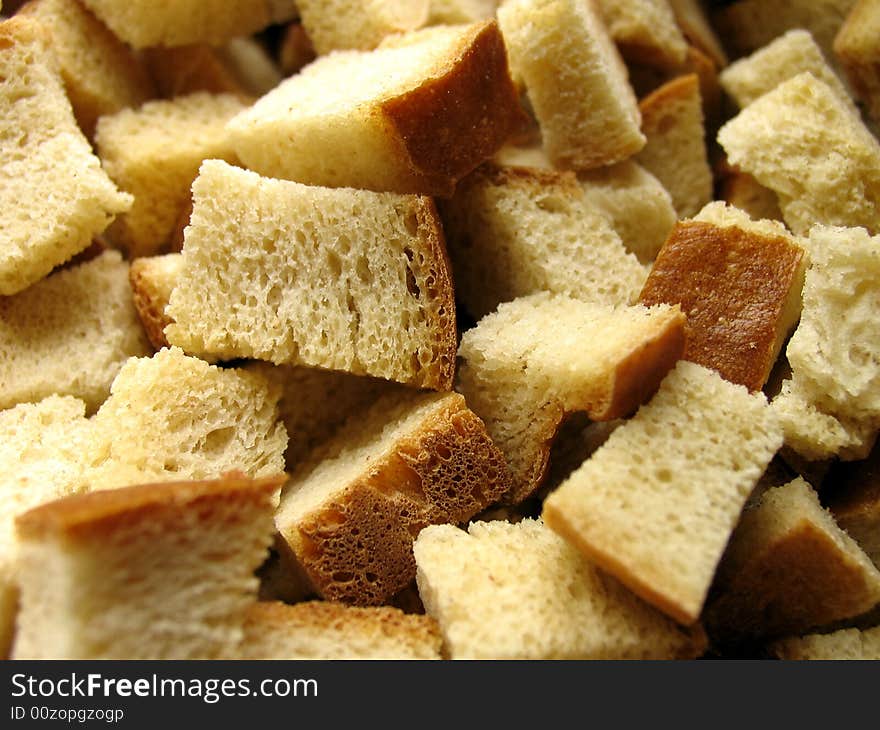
150,310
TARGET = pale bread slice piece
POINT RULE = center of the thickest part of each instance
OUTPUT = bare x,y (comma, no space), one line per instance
698,29
350,515
789,569
519,591
739,284
54,195
450,12
69,334
657,503
645,31
154,571
576,81
515,231
334,631
337,278
152,279
801,141
535,359
413,116
742,191
857,49
844,644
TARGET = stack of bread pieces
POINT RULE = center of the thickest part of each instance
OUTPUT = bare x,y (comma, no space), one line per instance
443,329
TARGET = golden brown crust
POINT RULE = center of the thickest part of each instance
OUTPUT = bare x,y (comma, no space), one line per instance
104,511
733,286
535,454
858,49
473,98
149,304
655,106
358,548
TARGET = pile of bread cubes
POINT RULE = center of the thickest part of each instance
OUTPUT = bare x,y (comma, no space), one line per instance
439,329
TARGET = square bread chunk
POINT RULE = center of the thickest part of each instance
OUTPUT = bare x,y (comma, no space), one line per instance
413,116
739,284
538,358
101,74
804,143
575,79
334,25
789,569
350,515
325,630
69,334
154,152
154,571
657,503
142,23
857,48
337,278
54,195
645,31
844,644
519,591
514,231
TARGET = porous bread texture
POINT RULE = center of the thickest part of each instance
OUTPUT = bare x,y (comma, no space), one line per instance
350,515
143,23
807,146
314,403
450,12
576,81
857,49
645,31
152,279
334,25
325,630
342,279
505,591
834,352
635,202
675,152
200,421
854,501
657,503
69,334
154,571
741,190
154,152
514,231
413,116
844,644
54,195
789,569
100,73
748,25
739,284
526,365
698,29
784,58
41,446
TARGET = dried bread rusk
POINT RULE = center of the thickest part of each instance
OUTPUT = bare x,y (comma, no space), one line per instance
143,572
69,334
857,49
844,644
461,11
694,22
350,514
54,195
739,284
675,152
789,569
100,73
326,630
152,279
519,591
645,31
413,116
657,503
341,278
575,79
515,231
535,359
809,147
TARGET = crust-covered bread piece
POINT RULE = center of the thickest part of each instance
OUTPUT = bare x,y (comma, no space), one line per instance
337,278
326,630
533,360
413,116
152,279
351,514
657,503
857,48
155,571
519,591
645,31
